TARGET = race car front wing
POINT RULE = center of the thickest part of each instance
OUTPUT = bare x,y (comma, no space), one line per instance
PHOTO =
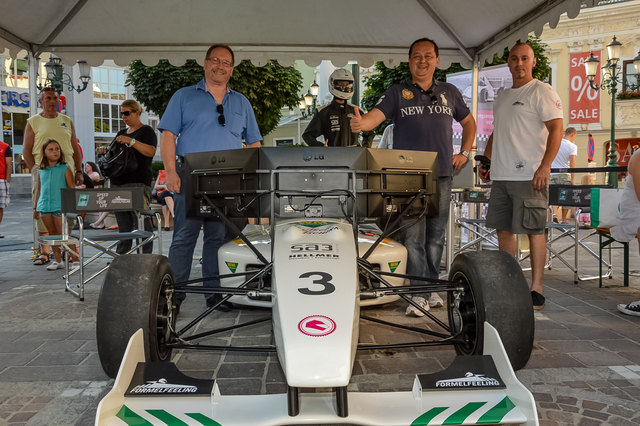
495,396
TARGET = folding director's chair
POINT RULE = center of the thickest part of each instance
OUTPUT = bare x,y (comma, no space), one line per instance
578,196
77,201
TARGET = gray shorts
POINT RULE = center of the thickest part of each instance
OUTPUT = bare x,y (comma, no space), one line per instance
516,207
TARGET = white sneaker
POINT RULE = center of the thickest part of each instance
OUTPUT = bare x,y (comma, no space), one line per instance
435,301
55,265
75,264
415,312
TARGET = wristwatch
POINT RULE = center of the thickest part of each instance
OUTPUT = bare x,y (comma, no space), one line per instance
465,153
132,142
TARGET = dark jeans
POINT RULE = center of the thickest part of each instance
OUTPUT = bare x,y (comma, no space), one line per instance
186,232
128,221
425,239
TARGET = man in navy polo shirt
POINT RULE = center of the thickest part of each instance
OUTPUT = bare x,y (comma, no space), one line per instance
423,112
206,117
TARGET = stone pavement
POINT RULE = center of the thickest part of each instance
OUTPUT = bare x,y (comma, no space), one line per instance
585,368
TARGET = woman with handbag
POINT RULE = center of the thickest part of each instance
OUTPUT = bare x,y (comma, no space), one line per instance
142,141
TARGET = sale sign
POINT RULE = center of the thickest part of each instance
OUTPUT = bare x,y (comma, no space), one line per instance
584,102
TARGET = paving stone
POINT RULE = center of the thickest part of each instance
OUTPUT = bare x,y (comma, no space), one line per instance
548,405
200,374
569,408
618,410
617,392
58,358
566,400
23,416
622,421
555,359
275,373
19,347
61,346
562,417
595,414
243,370
598,358
634,356
46,373
618,345
240,386
548,423
233,356
589,422
542,397
593,405
633,391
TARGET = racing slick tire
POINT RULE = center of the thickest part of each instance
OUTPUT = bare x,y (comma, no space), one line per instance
496,291
134,296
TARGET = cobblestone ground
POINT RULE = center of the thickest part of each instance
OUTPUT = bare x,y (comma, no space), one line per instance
585,368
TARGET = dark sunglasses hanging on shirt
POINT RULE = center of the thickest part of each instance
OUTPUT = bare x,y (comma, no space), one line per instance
221,119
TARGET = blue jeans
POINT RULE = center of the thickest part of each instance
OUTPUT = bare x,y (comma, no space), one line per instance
425,240
185,236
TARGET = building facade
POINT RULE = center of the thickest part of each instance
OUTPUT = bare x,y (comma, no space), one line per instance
95,111
588,110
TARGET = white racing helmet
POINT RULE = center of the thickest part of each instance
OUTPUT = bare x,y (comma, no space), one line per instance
341,84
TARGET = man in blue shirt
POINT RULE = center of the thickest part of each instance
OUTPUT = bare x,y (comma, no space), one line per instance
423,111
206,117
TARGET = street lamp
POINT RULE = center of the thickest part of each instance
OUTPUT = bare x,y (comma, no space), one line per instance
302,104
58,79
610,79
636,65
307,103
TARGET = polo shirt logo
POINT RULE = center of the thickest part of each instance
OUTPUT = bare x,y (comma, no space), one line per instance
407,94
412,110
444,100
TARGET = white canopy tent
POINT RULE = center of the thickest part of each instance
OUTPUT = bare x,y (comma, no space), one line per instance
259,30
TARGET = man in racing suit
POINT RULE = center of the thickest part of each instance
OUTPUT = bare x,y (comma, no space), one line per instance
332,120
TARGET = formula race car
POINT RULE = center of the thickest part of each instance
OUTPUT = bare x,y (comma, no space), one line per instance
326,253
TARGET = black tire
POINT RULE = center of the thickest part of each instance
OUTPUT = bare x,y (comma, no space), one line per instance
133,296
495,291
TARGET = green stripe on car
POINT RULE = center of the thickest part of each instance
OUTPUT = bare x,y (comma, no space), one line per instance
132,419
494,415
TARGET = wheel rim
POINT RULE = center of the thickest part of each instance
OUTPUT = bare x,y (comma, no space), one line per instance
464,320
165,320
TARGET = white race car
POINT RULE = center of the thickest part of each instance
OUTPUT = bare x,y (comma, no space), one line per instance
314,266
235,257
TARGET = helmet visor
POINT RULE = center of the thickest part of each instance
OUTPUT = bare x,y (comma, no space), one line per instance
344,86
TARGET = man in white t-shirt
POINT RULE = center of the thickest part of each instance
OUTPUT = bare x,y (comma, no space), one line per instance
525,139
566,158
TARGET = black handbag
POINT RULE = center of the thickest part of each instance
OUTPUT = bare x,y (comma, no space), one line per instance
119,160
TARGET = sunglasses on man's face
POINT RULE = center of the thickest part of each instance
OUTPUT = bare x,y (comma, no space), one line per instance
126,113
221,119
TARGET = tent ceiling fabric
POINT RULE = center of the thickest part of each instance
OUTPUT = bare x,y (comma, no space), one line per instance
286,30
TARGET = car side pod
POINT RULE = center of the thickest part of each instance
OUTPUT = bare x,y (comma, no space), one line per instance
510,404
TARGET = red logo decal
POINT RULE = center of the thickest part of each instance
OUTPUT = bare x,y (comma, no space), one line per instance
317,326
